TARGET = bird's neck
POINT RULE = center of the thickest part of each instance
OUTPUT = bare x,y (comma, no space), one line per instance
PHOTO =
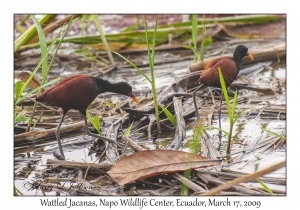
105,86
238,62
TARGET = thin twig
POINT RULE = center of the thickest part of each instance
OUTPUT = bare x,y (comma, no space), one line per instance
245,178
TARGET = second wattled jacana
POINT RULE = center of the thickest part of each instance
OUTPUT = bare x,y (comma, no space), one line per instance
230,68
78,92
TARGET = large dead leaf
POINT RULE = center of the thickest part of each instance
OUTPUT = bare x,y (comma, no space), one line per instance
149,163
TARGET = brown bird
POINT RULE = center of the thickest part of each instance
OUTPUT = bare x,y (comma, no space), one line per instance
230,68
78,92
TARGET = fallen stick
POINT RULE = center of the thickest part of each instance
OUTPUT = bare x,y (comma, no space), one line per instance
132,144
71,164
36,135
242,179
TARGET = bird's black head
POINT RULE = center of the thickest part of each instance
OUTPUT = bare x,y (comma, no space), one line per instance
125,89
119,87
240,52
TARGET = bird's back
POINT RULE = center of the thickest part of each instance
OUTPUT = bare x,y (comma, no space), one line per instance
75,92
210,74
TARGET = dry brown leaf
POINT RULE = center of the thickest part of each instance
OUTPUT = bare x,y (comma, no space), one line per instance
149,163
24,75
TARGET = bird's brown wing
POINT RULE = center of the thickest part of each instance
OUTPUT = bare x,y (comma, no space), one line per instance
213,62
210,75
73,92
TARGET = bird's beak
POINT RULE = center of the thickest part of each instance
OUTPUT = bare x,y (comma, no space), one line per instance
133,98
250,56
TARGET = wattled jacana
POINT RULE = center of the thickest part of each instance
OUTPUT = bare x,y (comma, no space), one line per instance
77,92
230,68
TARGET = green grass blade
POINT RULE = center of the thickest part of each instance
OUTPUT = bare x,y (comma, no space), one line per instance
195,148
185,190
131,28
99,27
197,139
189,47
38,120
207,41
43,46
147,42
90,118
224,89
234,104
233,19
202,49
19,24
217,128
128,130
239,114
125,38
194,30
29,33
18,90
151,63
265,186
84,22
153,46
95,122
275,134
21,119
169,115
195,36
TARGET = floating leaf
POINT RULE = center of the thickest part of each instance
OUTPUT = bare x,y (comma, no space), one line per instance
150,163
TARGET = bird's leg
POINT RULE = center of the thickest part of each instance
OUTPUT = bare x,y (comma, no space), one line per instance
98,136
57,133
194,99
